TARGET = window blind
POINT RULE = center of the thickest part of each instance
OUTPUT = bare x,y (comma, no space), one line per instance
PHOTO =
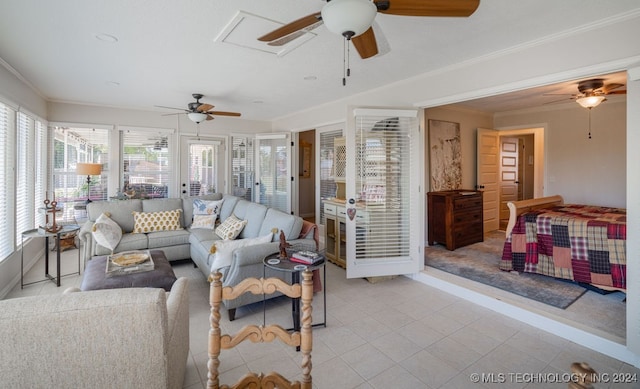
40,169
327,173
145,162
7,209
242,166
203,168
384,168
25,176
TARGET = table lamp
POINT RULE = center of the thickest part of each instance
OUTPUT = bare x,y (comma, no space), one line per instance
90,169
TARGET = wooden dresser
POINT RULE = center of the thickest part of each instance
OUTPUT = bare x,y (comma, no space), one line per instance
455,218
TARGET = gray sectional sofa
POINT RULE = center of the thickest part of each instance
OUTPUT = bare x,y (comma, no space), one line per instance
195,244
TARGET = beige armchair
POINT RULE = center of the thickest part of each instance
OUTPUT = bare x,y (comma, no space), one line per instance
116,338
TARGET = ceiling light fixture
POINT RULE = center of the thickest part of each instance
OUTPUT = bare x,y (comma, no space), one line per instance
197,117
348,18
590,101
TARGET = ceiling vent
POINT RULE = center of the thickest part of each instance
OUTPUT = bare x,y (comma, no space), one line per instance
244,29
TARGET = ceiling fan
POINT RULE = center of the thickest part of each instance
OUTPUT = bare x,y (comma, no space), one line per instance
592,92
198,112
353,18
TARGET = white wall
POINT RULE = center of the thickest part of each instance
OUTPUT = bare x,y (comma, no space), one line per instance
582,170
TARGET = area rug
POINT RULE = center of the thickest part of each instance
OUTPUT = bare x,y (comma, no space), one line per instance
479,262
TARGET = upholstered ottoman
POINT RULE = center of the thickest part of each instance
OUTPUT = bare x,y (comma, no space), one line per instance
162,276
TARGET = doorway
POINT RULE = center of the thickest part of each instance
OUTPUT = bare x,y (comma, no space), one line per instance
307,175
517,163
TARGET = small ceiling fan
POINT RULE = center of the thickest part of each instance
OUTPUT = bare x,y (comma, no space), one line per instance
353,18
198,112
592,92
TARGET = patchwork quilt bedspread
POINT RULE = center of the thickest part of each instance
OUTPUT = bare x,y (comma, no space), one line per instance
582,243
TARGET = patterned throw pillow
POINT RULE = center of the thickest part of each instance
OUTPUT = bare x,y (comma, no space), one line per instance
205,213
156,221
230,228
106,232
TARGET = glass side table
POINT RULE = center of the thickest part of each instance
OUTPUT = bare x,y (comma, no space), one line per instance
285,265
39,233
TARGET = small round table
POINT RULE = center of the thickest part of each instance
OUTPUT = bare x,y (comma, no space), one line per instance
41,233
285,265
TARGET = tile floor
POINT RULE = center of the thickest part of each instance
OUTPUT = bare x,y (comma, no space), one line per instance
397,333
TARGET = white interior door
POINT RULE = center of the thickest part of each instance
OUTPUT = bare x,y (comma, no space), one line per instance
273,171
383,193
488,142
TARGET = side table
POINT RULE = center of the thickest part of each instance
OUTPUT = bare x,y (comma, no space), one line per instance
36,233
285,265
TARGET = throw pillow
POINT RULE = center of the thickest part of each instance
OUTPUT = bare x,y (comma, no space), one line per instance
205,213
224,249
106,232
156,221
230,228
207,222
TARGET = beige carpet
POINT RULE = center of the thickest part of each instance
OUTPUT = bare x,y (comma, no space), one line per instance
602,313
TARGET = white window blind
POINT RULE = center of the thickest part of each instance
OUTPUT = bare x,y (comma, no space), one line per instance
274,172
7,209
203,167
242,166
40,169
383,175
69,146
327,173
146,156
25,176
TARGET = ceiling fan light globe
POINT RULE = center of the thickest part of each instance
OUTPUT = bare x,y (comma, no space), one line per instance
590,101
197,117
350,17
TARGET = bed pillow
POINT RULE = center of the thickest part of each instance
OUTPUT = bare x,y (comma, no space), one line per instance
230,228
222,250
205,213
156,221
106,232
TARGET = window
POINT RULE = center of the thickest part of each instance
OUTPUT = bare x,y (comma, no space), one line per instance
146,167
71,145
242,167
327,182
22,176
203,167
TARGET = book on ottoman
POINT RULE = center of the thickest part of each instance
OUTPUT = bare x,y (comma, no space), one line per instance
306,257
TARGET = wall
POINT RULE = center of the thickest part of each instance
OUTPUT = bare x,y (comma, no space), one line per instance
582,170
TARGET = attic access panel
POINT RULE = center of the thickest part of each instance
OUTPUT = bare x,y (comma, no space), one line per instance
244,29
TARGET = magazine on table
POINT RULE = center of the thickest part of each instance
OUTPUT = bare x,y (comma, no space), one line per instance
306,257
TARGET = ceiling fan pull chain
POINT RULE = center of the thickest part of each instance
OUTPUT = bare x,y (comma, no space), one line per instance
344,62
589,123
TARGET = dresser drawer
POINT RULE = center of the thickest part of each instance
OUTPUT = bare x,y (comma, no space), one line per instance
341,212
330,209
469,201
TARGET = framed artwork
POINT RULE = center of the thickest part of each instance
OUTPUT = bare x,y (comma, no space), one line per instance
445,157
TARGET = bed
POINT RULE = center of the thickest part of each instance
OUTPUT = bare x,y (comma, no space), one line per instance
582,243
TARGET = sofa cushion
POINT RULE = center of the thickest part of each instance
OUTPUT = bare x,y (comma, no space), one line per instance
161,239
228,205
127,243
230,228
275,219
187,206
157,221
121,211
254,214
106,232
223,249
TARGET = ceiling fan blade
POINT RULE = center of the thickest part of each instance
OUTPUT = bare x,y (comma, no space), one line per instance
292,27
557,101
171,114
209,117
222,113
616,92
460,8
204,107
162,106
608,88
294,35
366,44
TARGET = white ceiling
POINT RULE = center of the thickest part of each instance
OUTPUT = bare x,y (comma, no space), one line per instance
166,50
